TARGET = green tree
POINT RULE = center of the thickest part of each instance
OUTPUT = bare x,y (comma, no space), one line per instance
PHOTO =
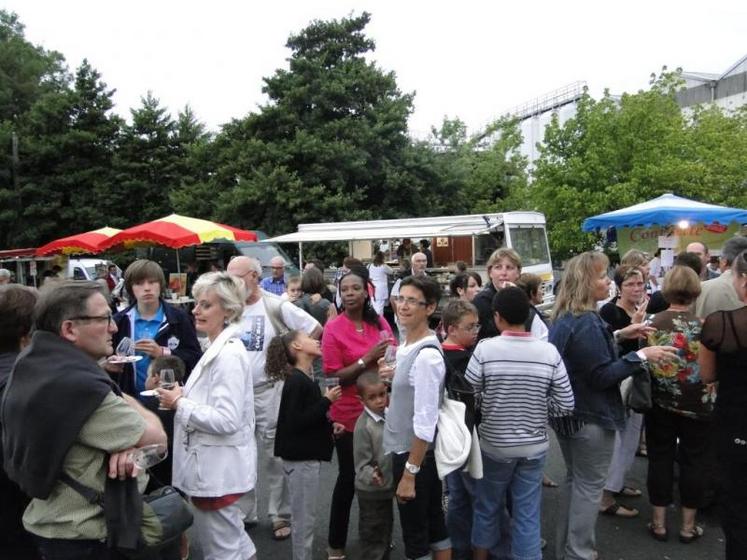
146,166
32,86
330,144
618,152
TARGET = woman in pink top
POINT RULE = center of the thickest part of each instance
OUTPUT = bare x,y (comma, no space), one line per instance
351,344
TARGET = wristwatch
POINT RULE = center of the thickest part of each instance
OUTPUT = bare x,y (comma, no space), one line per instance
412,469
361,363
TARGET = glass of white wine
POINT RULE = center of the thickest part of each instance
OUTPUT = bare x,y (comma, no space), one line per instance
166,380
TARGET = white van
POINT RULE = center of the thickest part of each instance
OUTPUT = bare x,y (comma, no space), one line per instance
86,269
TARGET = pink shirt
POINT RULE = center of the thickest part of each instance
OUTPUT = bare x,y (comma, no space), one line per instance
342,346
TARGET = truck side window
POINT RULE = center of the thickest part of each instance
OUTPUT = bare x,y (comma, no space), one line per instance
78,274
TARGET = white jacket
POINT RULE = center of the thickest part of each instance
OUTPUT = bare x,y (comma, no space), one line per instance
215,452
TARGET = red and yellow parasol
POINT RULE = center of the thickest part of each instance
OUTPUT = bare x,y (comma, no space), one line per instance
177,231
88,242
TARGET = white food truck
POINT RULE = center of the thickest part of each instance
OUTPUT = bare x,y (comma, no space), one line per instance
470,238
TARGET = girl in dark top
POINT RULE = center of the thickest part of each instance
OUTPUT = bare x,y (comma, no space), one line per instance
304,434
722,357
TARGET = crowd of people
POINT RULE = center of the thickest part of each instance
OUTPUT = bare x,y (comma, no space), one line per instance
278,375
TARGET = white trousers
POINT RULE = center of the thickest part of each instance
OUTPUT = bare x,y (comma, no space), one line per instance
266,406
303,480
623,456
222,535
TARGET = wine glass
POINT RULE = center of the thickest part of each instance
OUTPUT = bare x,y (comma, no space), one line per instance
331,382
125,349
166,380
149,455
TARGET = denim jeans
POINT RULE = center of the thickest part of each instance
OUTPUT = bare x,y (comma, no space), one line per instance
522,480
461,488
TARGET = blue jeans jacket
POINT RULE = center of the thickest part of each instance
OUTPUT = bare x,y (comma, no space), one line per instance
594,368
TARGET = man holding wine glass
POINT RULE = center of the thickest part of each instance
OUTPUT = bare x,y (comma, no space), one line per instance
87,430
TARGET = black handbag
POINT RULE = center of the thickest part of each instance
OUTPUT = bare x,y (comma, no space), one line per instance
165,515
639,396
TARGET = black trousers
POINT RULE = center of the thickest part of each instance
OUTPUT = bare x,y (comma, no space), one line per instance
342,496
422,519
663,430
734,507
375,522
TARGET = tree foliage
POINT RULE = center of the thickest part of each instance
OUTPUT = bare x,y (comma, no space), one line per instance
329,145
617,152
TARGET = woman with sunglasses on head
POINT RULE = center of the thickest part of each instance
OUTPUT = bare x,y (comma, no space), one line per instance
410,426
215,453
156,327
352,343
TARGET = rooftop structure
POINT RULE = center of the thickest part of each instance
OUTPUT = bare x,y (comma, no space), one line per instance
727,90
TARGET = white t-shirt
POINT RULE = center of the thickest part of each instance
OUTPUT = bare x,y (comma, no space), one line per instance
258,332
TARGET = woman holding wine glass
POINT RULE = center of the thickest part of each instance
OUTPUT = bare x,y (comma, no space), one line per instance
215,454
352,343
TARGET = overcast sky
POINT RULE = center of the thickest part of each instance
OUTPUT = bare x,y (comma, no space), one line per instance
466,59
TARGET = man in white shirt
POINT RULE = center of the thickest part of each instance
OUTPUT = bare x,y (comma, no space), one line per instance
265,316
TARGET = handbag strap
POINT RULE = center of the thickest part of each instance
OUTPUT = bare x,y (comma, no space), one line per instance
90,495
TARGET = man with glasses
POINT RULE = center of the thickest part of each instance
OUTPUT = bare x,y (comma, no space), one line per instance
275,283
265,316
62,414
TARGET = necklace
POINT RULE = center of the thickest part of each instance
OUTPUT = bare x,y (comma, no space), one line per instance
359,329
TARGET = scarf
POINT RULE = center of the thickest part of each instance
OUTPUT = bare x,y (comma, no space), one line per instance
53,389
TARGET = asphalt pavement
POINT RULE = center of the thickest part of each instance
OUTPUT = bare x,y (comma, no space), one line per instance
617,538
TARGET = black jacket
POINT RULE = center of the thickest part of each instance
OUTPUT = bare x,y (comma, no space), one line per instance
178,325
303,431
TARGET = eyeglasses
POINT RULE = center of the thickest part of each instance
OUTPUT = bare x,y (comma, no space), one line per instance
474,327
107,318
411,302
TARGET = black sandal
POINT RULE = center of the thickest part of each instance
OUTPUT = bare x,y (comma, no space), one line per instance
661,537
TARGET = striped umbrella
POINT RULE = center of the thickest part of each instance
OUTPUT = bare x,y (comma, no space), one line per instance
177,231
88,242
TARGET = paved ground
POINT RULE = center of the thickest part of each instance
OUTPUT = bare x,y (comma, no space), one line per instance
617,539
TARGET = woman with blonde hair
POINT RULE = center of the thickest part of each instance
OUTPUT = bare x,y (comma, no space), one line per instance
215,453
504,270
590,355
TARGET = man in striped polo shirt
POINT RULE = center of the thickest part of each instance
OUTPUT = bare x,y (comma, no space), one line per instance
520,380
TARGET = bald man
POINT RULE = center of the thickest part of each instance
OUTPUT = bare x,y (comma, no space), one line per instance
701,249
275,283
265,316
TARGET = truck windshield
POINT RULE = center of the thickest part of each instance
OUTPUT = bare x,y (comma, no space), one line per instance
531,243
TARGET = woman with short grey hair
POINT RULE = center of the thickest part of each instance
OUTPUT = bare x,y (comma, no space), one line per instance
215,453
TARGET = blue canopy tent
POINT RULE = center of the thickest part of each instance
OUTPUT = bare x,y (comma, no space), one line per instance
665,210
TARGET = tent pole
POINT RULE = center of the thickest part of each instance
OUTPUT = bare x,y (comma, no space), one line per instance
300,256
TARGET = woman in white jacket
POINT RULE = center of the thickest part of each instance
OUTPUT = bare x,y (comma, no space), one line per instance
215,454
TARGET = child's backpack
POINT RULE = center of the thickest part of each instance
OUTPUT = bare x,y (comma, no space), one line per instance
459,389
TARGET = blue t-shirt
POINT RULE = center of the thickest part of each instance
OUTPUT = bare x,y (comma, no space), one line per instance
145,328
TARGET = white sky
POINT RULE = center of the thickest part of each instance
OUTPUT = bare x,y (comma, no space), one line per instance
468,59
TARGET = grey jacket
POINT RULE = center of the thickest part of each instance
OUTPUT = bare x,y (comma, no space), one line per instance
368,451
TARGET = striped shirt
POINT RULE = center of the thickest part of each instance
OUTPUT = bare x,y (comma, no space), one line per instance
521,381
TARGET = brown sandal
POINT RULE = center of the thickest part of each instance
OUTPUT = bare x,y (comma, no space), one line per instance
657,536
619,510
